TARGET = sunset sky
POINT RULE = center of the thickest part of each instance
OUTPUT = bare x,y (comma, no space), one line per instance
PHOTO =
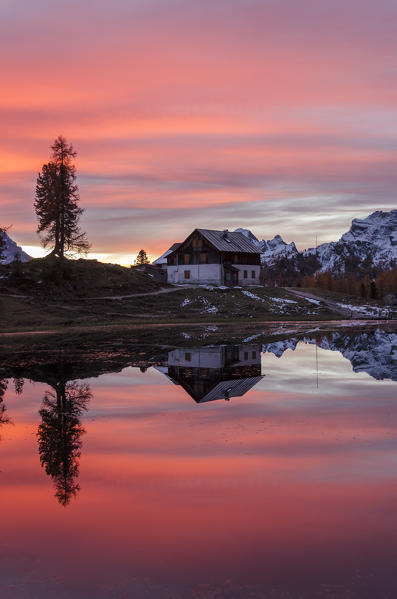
279,116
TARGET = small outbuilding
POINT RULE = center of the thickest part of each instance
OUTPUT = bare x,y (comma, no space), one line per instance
216,258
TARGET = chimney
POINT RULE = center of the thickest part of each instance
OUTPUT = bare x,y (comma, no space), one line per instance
225,234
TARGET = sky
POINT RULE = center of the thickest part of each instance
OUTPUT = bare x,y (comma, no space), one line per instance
275,115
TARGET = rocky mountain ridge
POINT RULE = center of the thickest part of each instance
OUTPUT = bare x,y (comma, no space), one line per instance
370,243
12,250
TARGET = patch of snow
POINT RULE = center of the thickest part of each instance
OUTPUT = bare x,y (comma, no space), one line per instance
313,301
252,337
366,310
208,307
185,302
283,300
252,295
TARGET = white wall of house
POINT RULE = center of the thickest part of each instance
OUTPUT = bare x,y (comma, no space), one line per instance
213,357
211,274
208,357
199,273
250,280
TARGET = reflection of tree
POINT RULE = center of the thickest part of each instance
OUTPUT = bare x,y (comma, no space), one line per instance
59,436
3,415
18,385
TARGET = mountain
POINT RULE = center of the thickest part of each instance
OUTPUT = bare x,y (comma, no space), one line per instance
272,249
370,244
12,250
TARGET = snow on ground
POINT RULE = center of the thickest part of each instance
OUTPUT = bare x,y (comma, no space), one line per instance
313,301
252,337
208,307
252,295
185,302
367,310
283,300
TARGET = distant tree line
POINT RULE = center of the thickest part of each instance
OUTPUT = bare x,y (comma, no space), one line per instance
384,283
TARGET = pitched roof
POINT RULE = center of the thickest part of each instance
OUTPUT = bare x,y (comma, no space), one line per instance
163,258
228,241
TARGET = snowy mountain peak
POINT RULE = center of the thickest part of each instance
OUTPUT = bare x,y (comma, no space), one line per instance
379,228
249,235
371,241
276,248
272,249
11,251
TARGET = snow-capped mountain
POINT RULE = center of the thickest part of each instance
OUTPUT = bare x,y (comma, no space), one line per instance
371,241
272,249
249,236
12,250
276,248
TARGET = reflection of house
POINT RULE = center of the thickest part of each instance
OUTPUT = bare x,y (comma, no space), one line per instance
221,372
216,257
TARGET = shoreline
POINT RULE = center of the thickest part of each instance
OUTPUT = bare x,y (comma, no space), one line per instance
150,325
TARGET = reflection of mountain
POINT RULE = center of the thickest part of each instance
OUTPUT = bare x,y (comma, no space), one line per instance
373,352
217,372
59,436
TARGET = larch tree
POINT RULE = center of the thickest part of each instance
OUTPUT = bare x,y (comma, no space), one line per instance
141,258
57,203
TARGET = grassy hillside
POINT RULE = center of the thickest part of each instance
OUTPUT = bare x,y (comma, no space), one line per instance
95,294
43,277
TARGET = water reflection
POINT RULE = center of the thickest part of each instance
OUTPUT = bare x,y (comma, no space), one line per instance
285,491
373,352
59,436
3,411
216,372
206,374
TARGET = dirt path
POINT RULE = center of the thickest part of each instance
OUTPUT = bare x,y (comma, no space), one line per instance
121,297
114,297
332,306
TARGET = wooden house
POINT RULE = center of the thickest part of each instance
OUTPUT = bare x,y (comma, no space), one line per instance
216,258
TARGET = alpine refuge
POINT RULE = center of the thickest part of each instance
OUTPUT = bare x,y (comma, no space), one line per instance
214,257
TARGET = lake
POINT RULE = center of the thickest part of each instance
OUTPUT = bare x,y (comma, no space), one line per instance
262,465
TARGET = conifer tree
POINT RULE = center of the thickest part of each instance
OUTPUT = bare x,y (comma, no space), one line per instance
57,203
141,258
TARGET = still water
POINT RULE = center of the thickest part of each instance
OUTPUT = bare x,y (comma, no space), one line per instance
234,470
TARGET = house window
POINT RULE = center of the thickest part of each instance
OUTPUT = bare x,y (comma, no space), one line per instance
253,274
245,355
188,357
200,243
254,355
187,274
246,274
203,258
186,258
